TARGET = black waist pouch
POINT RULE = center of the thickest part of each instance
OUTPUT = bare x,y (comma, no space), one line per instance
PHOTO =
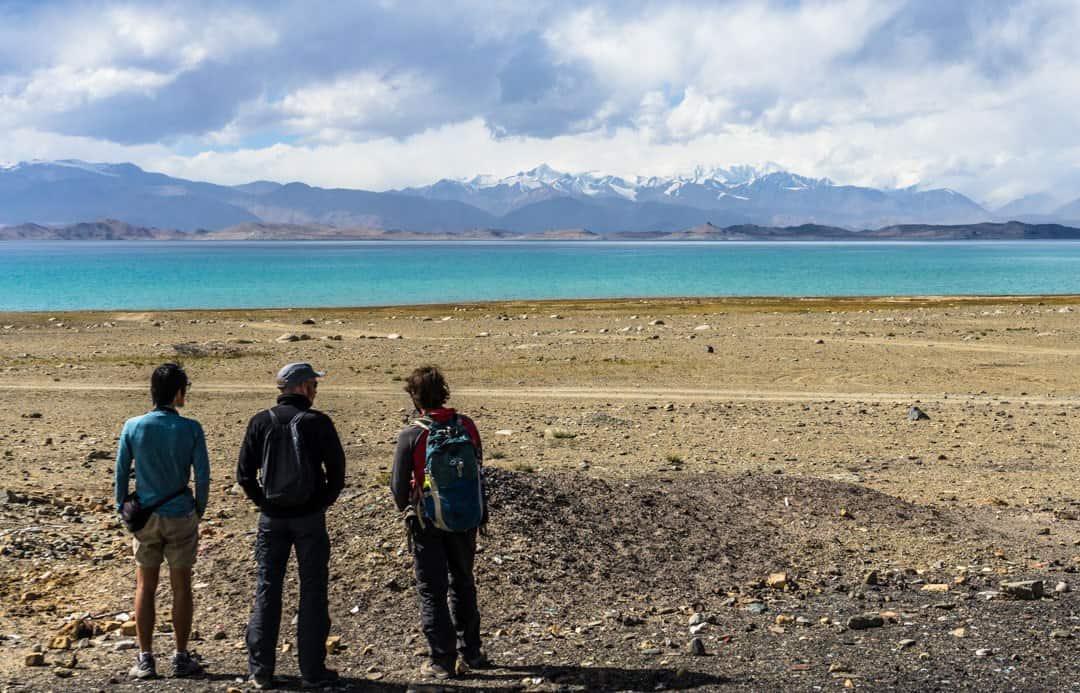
136,515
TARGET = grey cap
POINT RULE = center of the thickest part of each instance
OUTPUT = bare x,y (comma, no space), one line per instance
296,373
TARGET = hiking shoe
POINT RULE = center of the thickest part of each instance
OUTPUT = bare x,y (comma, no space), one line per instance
326,679
436,670
144,667
184,665
480,661
261,683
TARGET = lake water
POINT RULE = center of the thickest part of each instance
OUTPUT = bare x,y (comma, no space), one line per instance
156,275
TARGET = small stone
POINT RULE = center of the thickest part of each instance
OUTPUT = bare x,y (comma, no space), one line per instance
308,321
958,632
871,578
288,338
121,645
819,341
936,587
906,643
1024,589
777,581
709,349
61,673
656,322
756,608
1061,634
864,621
697,628
697,647
333,644
983,652
393,335
697,619
34,659
838,668
916,414
1062,587
60,642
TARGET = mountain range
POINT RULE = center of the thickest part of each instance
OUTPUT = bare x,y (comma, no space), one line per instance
57,193
113,230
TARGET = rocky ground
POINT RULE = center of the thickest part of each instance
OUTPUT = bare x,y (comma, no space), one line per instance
715,495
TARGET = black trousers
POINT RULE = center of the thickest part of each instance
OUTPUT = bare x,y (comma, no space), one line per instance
443,562
275,541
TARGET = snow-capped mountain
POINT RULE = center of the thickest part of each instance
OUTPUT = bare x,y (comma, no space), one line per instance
540,199
740,194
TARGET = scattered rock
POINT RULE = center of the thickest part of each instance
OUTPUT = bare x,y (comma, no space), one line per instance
777,581
1062,587
288,338
128,629
906,643
393,335
864,621
958,632
34,659
697,647
333,644
709,349
308,321
936,587
983,652
916,414
1061,634
1024,589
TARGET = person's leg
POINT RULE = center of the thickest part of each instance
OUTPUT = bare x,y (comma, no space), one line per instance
146,581
313,620
429,563
460,555
272,545
183,606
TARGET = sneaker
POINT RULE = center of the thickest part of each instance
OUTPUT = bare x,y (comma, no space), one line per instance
326,679
261,683
480,661
144,667
435,670
184,665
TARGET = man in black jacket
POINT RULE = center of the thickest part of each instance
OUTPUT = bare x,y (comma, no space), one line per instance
301,523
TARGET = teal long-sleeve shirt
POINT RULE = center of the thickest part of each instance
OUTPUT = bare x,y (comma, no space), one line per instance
164,447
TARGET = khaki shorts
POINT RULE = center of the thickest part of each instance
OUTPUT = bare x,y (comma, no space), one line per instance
173,538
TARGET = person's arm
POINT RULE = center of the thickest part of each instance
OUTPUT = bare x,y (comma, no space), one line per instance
201,465
402,470
122,475
334,461
247,468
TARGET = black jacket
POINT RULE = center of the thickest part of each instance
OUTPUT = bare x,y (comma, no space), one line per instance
324,445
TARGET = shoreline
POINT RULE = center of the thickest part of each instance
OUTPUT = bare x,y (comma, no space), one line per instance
740,304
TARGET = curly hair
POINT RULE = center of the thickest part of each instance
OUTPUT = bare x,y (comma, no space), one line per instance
427,387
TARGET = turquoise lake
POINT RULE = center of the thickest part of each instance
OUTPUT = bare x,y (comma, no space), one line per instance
157,275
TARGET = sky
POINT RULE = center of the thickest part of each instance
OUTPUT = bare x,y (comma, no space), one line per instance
981,96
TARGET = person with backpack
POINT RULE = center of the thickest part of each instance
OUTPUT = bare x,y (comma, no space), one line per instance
292,467
438,485
165,449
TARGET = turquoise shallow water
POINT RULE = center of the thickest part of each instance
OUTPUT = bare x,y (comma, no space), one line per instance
157,275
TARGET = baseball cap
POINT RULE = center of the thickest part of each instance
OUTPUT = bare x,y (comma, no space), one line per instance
295,373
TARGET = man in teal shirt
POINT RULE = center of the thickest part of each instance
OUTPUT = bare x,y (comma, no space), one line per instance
164,448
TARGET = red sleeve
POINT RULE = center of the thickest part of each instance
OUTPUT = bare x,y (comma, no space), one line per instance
419,461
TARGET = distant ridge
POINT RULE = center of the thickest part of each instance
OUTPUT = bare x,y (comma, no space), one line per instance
109,230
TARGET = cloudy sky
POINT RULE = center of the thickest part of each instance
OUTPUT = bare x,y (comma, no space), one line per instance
979,95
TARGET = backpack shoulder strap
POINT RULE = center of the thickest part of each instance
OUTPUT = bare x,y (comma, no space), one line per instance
273,417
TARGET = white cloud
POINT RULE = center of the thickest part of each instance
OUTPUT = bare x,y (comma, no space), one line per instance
881,92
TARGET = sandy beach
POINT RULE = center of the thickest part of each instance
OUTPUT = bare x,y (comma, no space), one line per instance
651,460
